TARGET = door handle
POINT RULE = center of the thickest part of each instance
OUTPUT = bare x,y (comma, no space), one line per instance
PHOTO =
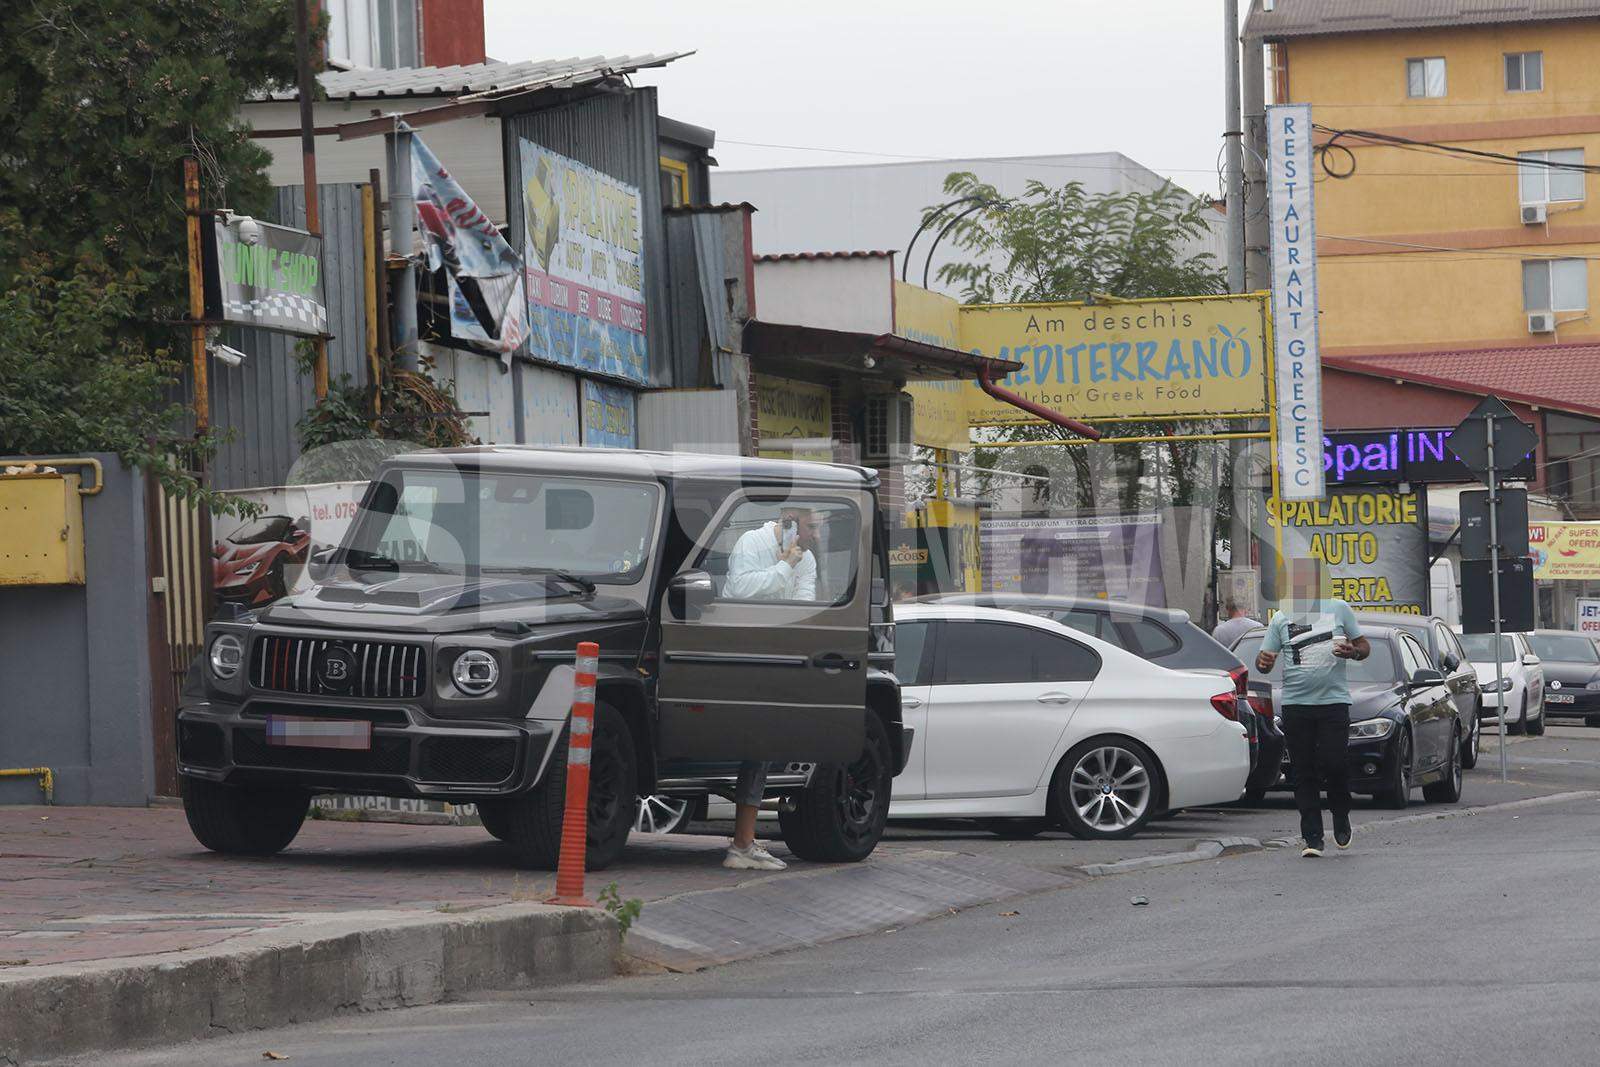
910,702
834,661
1054,698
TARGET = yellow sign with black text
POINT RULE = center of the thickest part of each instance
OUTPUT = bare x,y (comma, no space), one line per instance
1372,543
940,407
794,419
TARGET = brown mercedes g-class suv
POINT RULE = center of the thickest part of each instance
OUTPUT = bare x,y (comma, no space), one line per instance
433,656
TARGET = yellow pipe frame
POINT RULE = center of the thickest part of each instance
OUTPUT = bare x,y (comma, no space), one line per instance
47,779
99,471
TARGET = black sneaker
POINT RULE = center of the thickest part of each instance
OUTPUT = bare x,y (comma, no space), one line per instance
1311,852
1341,831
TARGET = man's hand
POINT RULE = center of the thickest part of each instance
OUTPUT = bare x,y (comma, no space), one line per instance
1358,649
793,555
1265,661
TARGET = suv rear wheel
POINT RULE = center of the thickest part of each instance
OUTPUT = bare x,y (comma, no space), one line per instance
243,821
532,823
840,816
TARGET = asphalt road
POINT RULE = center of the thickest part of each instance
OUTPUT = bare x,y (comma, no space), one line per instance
1465,939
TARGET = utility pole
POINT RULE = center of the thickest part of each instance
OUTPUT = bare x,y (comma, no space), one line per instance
1257,270
402,222
308,153
1232,141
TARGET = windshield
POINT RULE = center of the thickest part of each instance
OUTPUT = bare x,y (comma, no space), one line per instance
1480,648
506,523
263,530
1572,649
1376,669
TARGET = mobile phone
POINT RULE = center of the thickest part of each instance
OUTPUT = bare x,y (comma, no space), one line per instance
791,533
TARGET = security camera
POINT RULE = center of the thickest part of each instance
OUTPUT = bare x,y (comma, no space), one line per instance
231,356
249,231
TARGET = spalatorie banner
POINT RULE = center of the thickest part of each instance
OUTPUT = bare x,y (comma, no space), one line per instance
584,266
1371,541
1294,302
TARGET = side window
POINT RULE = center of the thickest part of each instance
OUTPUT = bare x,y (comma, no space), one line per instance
1145,637
748,558
985,653
1446,647
1080,619
1413,655
912,664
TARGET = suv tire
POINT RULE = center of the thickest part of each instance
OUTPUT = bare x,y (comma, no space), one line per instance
493,816
241,820
840,815
532,822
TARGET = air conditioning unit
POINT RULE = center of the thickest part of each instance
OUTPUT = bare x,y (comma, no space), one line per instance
1535,214
887,429
1541,322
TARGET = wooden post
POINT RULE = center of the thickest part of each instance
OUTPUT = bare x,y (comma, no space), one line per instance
197,298
308,154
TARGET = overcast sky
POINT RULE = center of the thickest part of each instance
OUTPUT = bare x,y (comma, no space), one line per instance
931,79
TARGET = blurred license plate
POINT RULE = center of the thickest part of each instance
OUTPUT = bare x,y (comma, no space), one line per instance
300,732
1559,698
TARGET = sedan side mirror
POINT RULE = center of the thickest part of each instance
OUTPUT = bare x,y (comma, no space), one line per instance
320,564
1426,676
1530,660
688,593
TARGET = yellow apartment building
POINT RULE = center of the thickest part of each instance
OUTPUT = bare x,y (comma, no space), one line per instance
1426,243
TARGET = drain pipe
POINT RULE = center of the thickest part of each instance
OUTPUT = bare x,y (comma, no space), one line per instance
1004,395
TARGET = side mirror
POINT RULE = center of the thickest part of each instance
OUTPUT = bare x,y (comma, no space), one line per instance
688,593
1426,676
320,564
1530,660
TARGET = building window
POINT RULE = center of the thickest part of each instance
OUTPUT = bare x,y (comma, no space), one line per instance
1425,77
1550,176
1555,285
674,182
1524,72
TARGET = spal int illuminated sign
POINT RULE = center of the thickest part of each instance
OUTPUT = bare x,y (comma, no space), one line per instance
1378,457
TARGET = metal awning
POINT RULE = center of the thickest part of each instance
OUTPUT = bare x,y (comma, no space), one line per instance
894,359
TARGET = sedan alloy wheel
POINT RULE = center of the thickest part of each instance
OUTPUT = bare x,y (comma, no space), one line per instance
1108,789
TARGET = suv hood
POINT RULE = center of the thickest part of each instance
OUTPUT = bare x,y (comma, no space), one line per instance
446,603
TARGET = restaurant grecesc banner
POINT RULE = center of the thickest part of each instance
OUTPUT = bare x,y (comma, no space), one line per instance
1565,551
1372,542
940,419
274,283
1126,360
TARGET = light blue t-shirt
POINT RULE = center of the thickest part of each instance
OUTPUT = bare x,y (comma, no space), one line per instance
1318,677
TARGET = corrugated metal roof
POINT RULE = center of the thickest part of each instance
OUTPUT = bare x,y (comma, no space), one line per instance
1564,377
476,79
790,256
1307,18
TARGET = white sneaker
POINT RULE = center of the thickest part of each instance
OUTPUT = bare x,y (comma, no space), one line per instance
754,858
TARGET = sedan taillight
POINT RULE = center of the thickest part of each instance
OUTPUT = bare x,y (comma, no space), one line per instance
1262,705
1224,703
1241,677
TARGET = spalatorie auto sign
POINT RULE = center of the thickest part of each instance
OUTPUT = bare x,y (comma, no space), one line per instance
1294,302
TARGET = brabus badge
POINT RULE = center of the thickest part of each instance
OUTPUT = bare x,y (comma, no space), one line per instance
336,668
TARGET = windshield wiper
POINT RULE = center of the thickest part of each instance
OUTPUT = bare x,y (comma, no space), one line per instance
561,576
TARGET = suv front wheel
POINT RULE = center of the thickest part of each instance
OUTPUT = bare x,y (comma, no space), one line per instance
840,815
531,824
241,820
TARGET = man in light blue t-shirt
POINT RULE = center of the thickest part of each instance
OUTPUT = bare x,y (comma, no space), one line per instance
1318,635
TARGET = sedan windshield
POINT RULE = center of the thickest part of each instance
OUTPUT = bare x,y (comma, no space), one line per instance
1480,648
456,521
1376,669
1572,649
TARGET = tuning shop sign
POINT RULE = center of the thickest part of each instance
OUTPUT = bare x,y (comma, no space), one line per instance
1372,542
272,282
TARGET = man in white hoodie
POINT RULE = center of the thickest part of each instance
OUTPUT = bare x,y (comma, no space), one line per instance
775,561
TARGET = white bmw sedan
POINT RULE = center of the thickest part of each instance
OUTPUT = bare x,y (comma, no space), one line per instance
1026,724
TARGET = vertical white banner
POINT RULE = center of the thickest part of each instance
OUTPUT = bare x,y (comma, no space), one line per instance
1294,302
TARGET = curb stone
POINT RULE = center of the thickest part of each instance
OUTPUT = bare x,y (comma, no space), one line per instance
1203,850
326,965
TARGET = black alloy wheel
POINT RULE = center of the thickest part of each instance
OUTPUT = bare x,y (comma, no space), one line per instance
1397,793
1472,744
1447,790
840,816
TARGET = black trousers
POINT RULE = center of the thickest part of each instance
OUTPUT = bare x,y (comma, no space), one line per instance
1318,738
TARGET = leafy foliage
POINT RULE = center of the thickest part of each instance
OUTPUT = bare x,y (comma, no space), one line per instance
626,912
100,100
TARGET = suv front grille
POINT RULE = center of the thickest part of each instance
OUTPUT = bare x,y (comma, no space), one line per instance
388,755
467,759
373,668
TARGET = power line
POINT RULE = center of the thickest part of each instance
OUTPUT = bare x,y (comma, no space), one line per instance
1477,252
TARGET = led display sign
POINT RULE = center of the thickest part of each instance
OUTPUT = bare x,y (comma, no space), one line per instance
1384,457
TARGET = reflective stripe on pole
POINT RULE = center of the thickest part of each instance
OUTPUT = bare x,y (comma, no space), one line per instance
580,744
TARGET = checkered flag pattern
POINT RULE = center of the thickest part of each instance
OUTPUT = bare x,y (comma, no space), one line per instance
282,309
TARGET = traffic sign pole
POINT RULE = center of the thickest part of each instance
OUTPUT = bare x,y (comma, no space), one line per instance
1494,569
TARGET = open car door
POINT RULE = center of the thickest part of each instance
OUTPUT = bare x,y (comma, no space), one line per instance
755,664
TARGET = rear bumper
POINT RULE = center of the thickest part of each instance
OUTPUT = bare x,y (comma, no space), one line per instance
410,755
1212,769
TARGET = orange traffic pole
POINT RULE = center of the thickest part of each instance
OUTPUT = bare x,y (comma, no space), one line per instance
575,822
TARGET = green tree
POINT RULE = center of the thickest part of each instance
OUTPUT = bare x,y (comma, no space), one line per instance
100,100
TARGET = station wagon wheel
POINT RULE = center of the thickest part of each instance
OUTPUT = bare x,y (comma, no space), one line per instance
1106,789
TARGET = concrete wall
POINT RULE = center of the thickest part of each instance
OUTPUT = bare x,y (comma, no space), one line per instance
1377,290
75,683
855,294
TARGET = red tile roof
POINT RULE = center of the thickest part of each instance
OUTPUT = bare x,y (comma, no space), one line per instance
785,257
1565,377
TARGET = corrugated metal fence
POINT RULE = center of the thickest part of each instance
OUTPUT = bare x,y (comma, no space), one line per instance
262,400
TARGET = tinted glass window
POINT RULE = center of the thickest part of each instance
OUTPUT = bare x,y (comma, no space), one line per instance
746,558
978,653
1080,619
1412,658
910,652
1145,637
1480,648
1572,649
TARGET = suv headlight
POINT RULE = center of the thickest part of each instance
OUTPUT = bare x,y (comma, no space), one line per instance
475,672
1371,729
227,656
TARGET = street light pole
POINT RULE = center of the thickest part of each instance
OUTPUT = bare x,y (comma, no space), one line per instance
1233,146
